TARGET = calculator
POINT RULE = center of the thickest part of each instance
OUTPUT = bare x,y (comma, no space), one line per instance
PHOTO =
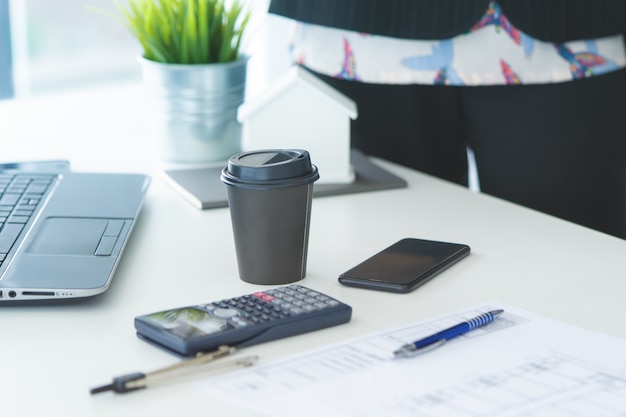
242,321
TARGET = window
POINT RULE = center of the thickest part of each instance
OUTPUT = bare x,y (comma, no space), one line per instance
6,63
65,44
50,46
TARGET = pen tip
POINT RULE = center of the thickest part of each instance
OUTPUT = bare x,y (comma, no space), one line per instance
402,352
496,312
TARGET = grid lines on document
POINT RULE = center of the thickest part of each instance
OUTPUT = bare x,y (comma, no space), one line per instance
551,386
335,362
299,372
540,383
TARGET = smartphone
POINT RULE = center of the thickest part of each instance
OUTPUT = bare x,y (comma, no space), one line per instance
405,265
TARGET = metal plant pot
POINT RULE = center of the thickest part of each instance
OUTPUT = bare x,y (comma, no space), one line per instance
194,109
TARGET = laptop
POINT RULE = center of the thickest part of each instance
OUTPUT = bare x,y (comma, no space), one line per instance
62,233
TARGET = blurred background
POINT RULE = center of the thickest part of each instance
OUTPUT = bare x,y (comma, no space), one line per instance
49,46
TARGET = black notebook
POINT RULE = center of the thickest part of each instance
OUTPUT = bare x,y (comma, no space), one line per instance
203,188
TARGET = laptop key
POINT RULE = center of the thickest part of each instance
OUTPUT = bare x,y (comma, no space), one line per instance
8,236
37,188
9,199
18,219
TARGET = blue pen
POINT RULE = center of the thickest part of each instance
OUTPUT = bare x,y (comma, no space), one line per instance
431,342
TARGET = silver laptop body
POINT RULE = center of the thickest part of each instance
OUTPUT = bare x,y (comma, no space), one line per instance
61,232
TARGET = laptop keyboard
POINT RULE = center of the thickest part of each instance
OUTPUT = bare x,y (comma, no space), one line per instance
20,195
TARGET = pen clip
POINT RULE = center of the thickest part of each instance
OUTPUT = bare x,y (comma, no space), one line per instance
409,350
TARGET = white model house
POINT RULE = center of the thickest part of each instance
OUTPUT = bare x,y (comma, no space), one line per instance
301,111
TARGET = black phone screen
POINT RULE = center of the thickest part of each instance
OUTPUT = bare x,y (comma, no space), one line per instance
404,265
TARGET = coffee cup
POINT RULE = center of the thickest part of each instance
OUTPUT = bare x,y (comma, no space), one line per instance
269,195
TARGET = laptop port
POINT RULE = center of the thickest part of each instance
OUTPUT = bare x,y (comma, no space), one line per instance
12,294
38,293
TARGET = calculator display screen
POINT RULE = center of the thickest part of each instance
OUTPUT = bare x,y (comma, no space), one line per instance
188,322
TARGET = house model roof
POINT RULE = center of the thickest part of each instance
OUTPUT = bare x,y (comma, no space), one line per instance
298,75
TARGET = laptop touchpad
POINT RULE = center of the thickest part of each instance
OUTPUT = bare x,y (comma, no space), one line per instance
74,236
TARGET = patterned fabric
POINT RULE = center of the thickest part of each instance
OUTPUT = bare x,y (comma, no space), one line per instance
492,52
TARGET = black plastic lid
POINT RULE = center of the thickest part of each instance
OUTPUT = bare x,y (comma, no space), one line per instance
270,168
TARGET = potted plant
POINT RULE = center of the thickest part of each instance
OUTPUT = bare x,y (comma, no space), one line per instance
194,73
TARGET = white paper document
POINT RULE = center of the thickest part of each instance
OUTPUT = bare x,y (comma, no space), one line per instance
521,365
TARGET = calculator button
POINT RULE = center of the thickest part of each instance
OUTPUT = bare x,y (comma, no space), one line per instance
264,296
225,313
239,322
286,305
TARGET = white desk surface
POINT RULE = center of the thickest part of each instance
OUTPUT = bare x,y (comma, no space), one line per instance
178,255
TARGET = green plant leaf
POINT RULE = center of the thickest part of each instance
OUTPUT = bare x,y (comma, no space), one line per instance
186,31
203,31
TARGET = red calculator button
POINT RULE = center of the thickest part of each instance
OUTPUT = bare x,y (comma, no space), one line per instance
264,296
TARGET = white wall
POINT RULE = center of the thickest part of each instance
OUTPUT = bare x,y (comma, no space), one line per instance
267,44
